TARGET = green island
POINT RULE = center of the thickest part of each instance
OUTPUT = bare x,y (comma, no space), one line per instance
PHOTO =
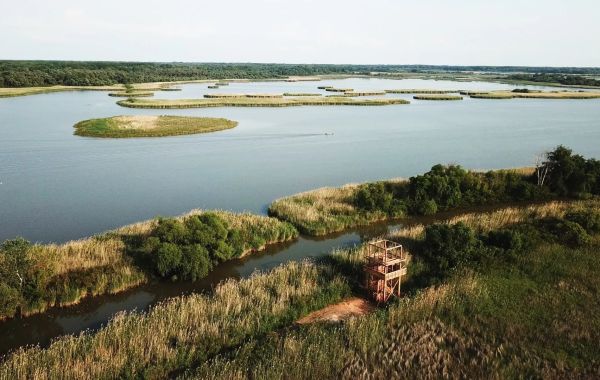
487,294
150,126
437,97
185,247
256,102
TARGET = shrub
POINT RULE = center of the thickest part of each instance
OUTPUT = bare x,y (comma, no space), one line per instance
24,275
446,247
571,174
189,248
168,259
10,299
565,231
506,239
589,220
427,207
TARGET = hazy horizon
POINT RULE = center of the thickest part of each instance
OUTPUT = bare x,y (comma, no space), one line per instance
386,32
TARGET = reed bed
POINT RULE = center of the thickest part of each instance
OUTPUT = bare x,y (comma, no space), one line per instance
100,264
150,126
333,89
236,96
437,97
132,94
24,91
473,92
184,330
325,210
538,95
256,102
300,94
170,89
420,91
364,93
488,221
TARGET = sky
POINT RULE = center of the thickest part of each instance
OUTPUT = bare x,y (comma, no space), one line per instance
458,32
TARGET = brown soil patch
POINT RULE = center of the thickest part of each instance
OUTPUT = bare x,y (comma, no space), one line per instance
137,122
334,313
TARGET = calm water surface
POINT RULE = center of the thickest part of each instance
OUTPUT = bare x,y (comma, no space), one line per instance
57,187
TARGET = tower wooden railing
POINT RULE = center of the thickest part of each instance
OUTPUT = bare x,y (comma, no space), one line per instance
384,267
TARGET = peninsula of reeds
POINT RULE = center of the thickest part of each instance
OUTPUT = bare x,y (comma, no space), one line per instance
256,102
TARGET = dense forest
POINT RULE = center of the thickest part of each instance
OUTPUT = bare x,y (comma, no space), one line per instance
570,80
72,73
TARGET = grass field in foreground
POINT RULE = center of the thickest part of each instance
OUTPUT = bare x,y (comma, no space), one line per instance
530,314
150,126
256,102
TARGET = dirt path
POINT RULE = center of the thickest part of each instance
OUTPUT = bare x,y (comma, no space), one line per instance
334,313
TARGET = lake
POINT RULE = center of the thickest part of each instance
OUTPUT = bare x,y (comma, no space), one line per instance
56,186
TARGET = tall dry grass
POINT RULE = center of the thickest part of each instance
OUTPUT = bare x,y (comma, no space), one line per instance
183,330
484,222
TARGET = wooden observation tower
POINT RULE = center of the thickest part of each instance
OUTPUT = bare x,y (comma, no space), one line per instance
384,267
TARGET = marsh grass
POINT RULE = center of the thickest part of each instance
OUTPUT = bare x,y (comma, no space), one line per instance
102,264
364,93
150,126
437,97
300,94
334,89
535,314
132,94
420,91
257,102
184,331
536,95
236,96
324,210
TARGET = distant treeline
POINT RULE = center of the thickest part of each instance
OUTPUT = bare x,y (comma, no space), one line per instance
571,80
72,73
